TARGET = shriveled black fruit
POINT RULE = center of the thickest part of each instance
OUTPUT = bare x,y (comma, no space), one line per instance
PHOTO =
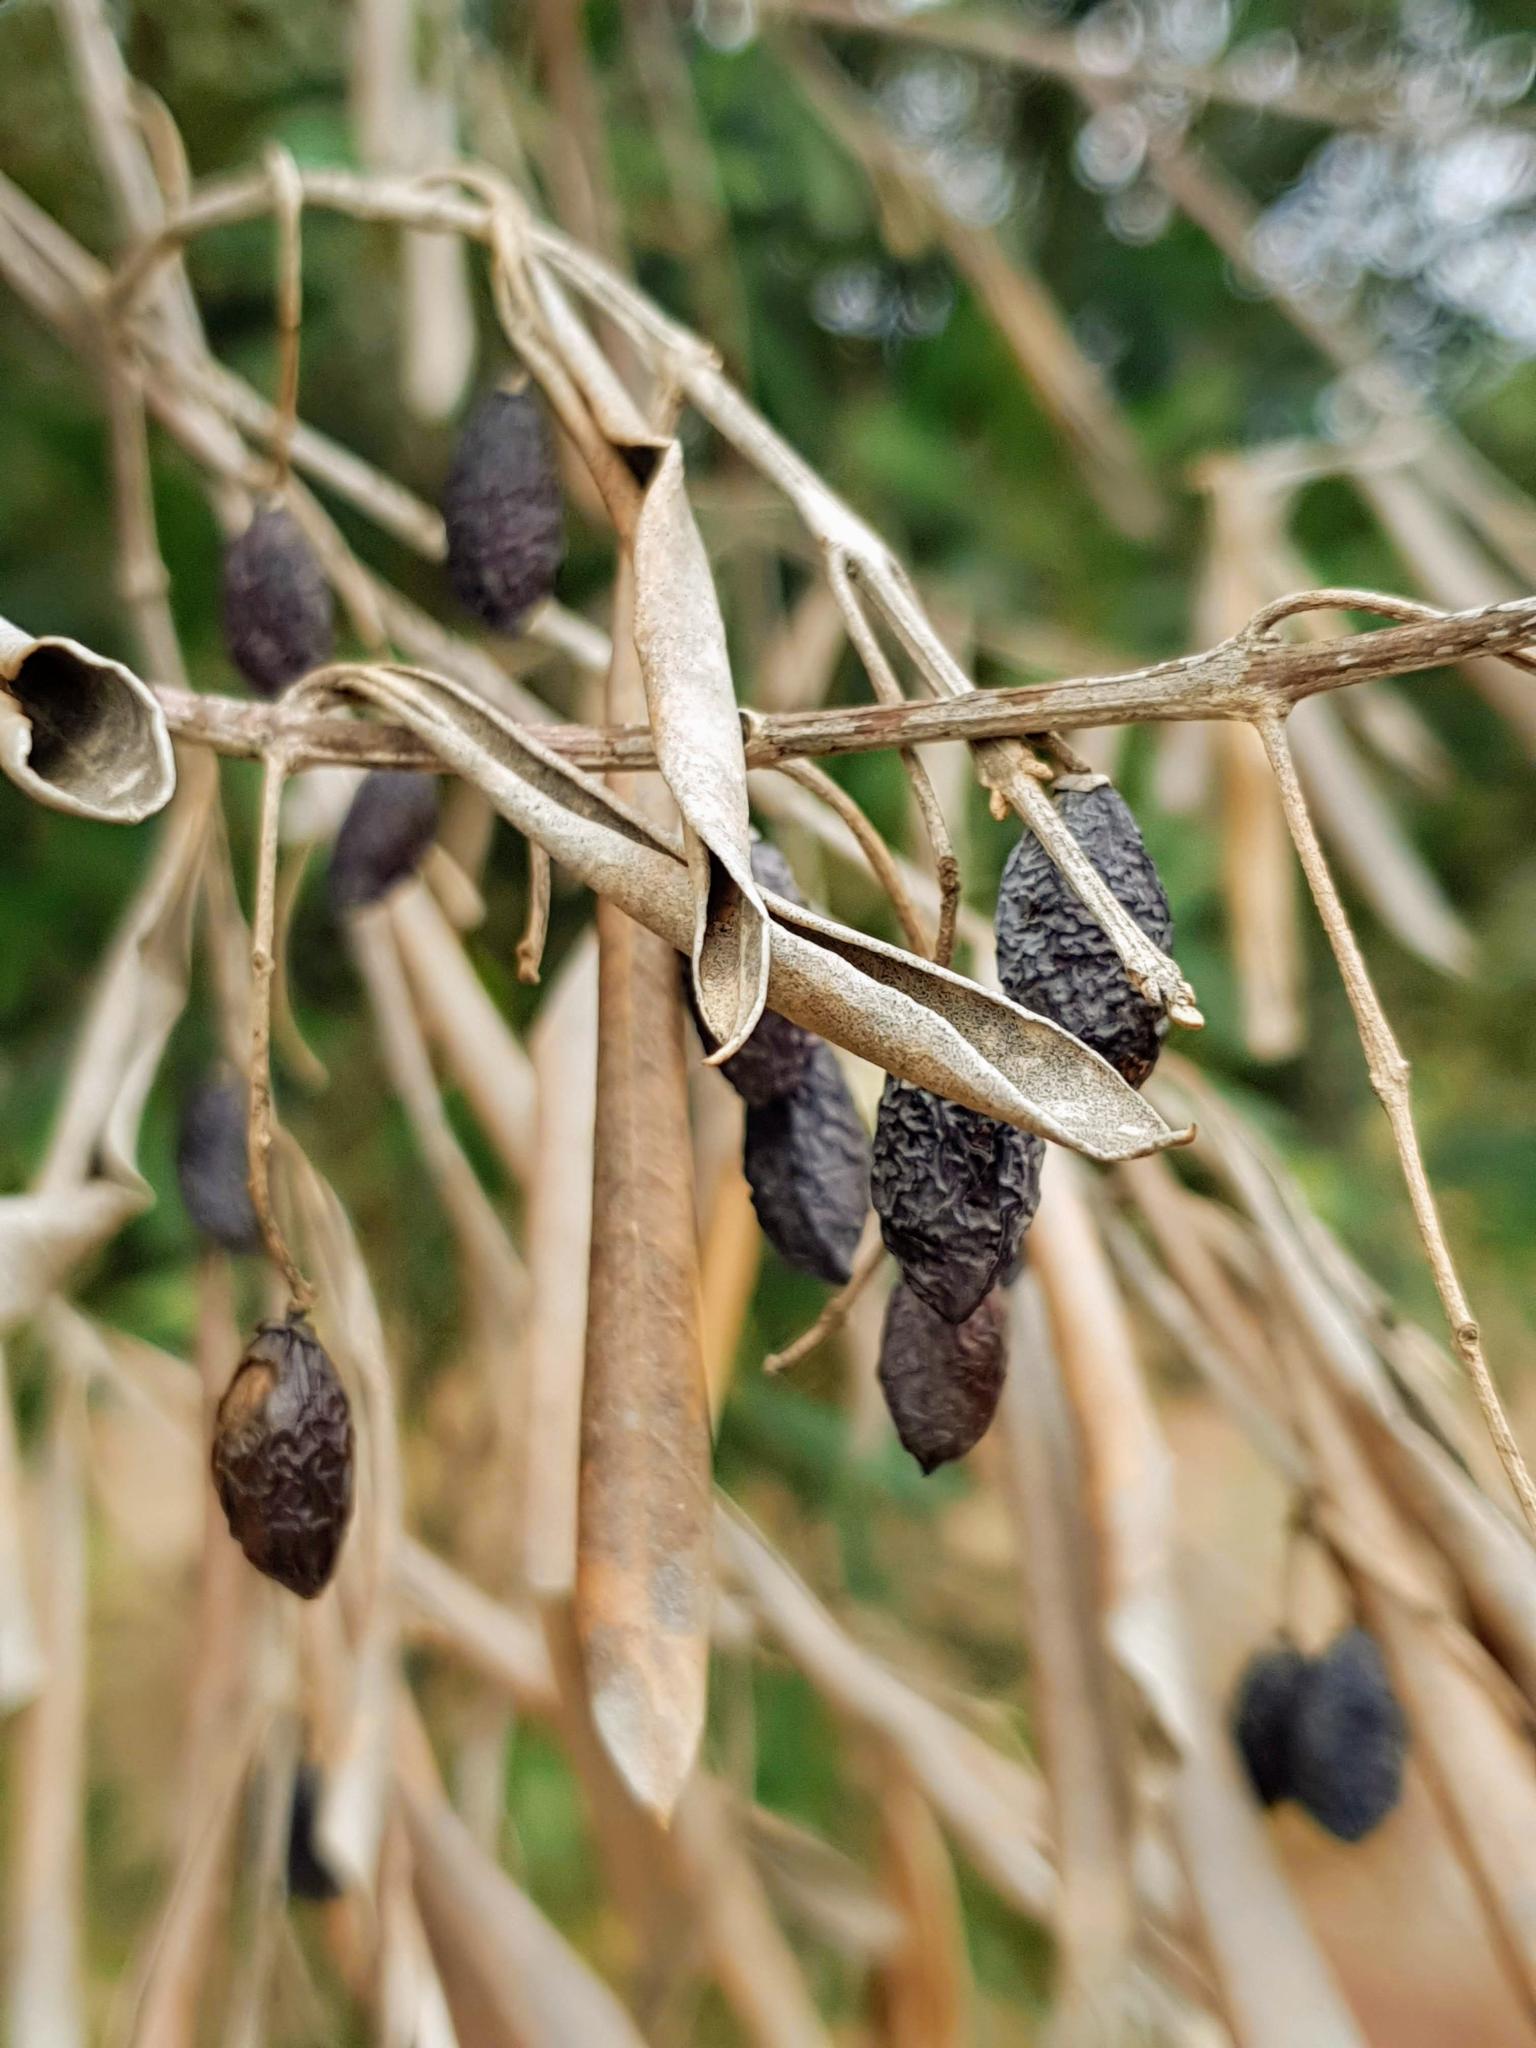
1056,960
807,1162
308,1875
502,507
279,616
1264,1710
772,1061
942,1381
388,827
954,1191
213,1164
282,1456
1349,1739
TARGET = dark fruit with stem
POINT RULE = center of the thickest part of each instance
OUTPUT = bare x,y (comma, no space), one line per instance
954,1191
1349,1740
942,1381
1052,955
1264,1711
807,1162
279,616
384,837
503,510
282,1456
772,1062
213,1163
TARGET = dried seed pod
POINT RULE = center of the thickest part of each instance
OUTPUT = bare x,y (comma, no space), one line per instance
771,1063
954,1191
213,1163
942,1381
308,1875
1055,959
502,507
279,617
1349,1739
389,825
282,1456
807,1162
1264,1709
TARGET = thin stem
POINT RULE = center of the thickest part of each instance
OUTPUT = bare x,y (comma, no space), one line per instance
288,208
882,862
1389,1078
275,771
836,1311
530,947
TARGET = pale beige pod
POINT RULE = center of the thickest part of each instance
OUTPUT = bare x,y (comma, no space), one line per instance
80,733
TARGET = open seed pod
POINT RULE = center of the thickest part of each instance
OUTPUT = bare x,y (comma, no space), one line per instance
282,1456
1264,1709
79,733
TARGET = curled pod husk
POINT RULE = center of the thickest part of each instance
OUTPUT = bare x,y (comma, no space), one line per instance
389,825
806,1160
942,1381
1052,955
954,1191
503,511
279,616
282,1456
213,1163
773,1060
1264,1709
309,1877
1349,1739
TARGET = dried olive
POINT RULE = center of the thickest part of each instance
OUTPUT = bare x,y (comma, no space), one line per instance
772,1061
213,1164
279,617
282,1456
389,825
807,1163
1052,955
942,1381
308,1875
1264,1711
1348,1740
502,507
954,1191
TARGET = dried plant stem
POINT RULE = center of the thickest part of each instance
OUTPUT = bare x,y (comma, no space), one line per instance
1389,1077
530,947
836,1312
275,770
288,207
882,861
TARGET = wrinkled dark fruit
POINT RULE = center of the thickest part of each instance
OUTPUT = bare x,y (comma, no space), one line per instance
773,1060
213,1164
1055,960
389,826
308,1877
1349,1739
282,1457
807,1162
502,507
942,1381
954,1191
1264,1710
279,617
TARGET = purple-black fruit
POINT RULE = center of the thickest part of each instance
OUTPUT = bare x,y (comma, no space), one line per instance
1349,1739
279,616
503,510
389,826
1264,1710
942,1381
806,1160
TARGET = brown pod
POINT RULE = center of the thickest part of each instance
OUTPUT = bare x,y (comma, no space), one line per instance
279,617
503,510
282,1456
942,1381
384,837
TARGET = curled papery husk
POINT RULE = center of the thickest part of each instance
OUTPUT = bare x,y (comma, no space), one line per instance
1055,958
774,1056
384,837
309,1877
1264,1709
213,1163
806,1159
503,511
954,1192
942,1381
79,733
1349,1740
282,1456
279,615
